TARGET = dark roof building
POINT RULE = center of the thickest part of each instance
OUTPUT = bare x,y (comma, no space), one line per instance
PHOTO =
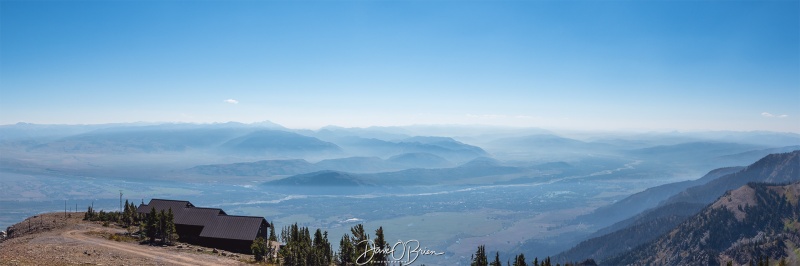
211,227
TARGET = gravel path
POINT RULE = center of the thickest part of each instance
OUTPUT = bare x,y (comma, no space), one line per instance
59,241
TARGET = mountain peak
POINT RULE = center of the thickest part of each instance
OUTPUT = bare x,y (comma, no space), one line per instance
755,221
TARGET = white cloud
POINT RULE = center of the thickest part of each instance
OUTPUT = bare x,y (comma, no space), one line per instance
765,114
496,116
231,101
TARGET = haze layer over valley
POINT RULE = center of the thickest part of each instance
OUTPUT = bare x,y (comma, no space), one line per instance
515,190
547,128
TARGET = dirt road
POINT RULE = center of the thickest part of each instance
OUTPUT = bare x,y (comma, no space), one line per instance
155,253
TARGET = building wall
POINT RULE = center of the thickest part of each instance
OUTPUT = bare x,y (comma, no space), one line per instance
238,246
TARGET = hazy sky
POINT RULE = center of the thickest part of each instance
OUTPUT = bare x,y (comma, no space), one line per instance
612,65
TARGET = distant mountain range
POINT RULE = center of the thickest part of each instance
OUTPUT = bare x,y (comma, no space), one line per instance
325,178
481,167
266,142
264,139
612,242
446,148
299,166
259,168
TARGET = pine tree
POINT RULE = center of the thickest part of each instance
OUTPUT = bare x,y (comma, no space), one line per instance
328,250
272,236
170,231
132,215
496,261
162,225
126,213
321,249
152,225
519,260
480,257
380,257
89,215
272,239
535,261
299,248
346,254
259,248
360,241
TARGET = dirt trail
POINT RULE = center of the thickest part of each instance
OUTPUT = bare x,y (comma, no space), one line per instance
146,251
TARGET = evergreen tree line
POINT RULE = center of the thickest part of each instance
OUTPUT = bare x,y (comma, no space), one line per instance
355,249
301,248
160,225
265,249
155,225
480,259
127,218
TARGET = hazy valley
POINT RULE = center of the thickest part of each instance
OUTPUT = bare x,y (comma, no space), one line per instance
452,188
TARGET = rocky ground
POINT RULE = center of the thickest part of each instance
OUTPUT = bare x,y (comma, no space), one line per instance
59,239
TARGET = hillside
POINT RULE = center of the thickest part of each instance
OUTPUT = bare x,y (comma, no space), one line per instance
446,148
637,230
478,168
50,239
322,179
774,168
647,199
280,142
300,166
755,221
358,165
420,160
259,168
652,223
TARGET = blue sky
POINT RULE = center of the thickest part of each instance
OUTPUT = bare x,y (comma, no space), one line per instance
599,65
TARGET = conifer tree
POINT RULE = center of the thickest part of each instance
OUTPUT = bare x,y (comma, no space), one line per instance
132,214
162,225
89,215
360,241
346,254
496,261
259,248
519,260
170,231
152,225
480,257
380,258
322,249
272,239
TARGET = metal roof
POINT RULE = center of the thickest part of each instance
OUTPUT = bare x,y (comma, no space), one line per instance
162,204
233,227
197,216
216,223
